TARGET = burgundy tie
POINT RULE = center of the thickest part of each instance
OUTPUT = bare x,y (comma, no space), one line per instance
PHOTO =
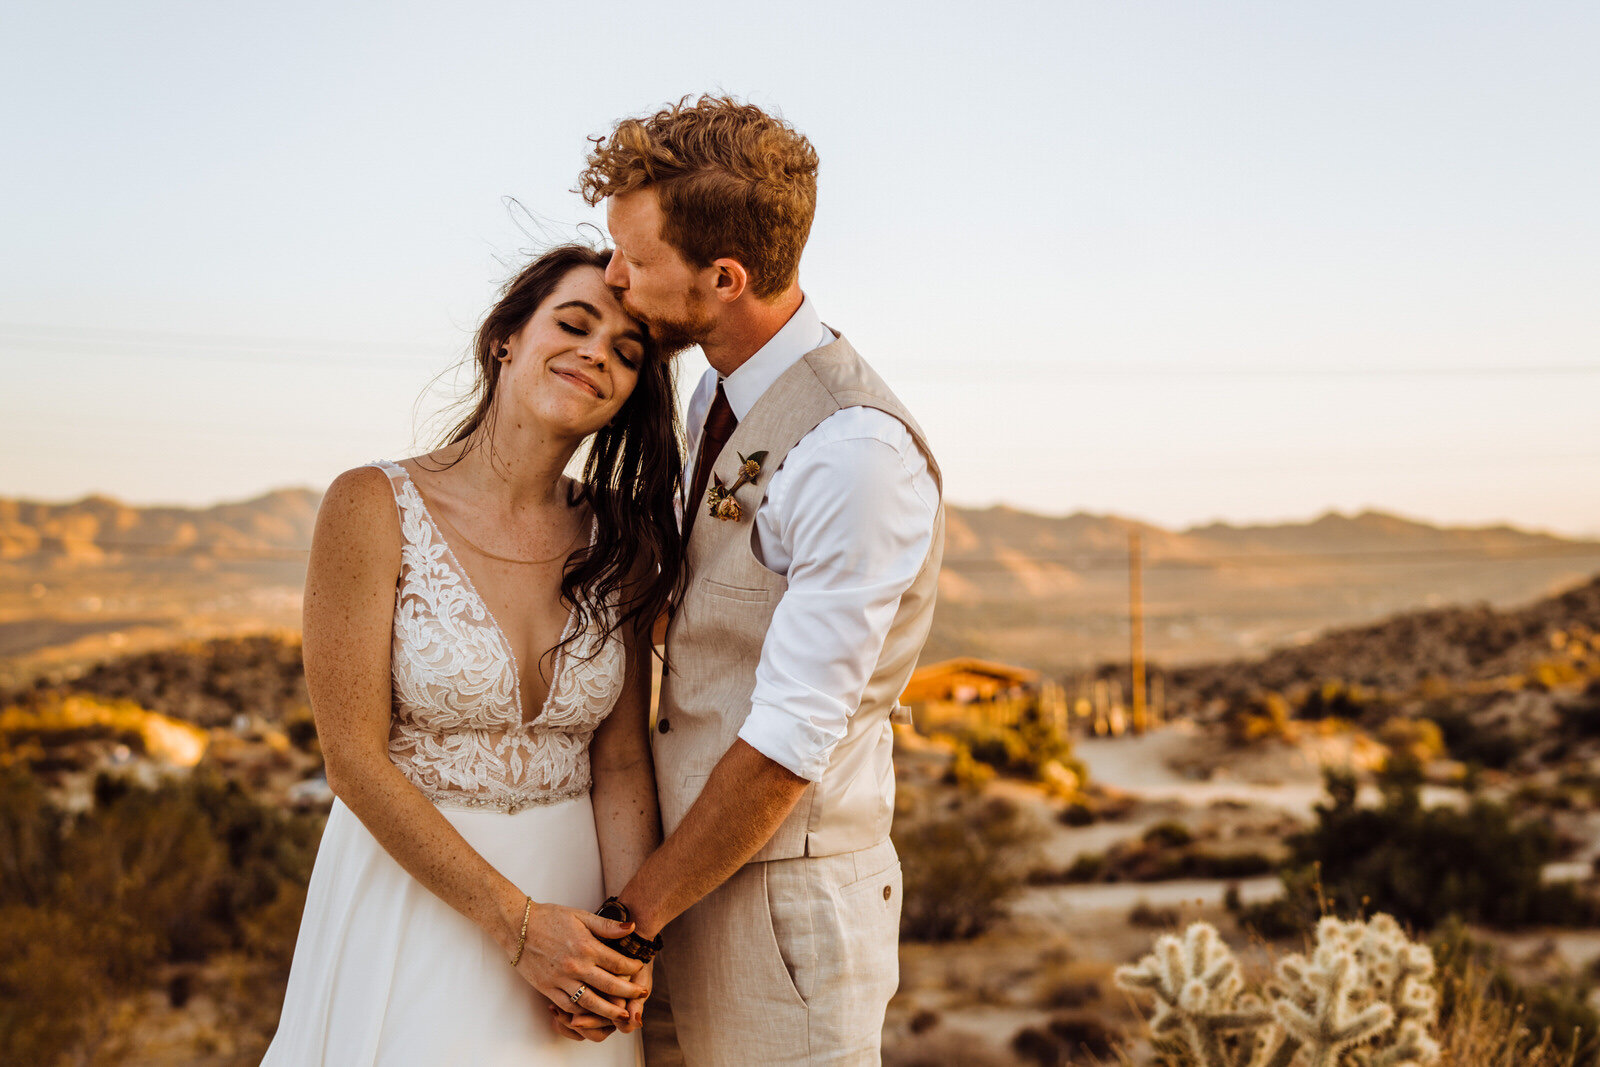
720,425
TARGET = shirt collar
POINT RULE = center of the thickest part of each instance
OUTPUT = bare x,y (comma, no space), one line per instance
803,333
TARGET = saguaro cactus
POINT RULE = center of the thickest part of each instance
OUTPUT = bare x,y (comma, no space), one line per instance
1362,999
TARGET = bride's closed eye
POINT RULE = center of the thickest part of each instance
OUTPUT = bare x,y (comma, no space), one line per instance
578,331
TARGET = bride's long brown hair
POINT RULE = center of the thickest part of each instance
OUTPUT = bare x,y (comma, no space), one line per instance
631,476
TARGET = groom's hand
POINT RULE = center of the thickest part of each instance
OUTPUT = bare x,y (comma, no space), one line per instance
635,1005
580,1026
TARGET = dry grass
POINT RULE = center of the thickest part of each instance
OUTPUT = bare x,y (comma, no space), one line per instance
1485,1030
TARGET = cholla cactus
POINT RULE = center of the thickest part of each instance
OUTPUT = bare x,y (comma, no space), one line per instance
1362,999
1365,988
1198,990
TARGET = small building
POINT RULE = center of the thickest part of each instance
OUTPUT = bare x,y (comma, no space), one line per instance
967,680
969,689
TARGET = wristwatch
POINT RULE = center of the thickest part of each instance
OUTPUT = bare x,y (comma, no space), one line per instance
630,945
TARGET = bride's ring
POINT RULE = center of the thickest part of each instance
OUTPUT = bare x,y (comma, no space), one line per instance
577,996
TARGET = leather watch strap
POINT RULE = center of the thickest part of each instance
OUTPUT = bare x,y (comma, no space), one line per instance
630,945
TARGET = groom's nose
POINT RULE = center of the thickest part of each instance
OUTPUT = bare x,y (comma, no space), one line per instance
616,274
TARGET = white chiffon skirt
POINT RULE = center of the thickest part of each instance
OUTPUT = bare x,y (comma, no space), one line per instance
385,973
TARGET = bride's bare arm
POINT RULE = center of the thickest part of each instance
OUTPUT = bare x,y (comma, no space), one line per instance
624,792
349,616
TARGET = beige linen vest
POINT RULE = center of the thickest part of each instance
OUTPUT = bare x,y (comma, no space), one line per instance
714,641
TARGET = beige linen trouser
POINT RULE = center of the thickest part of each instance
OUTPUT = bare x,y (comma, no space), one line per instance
787,962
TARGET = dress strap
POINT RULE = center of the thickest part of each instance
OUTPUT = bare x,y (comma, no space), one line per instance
399,478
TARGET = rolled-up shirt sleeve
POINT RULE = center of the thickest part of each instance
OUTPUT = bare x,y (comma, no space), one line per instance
849,518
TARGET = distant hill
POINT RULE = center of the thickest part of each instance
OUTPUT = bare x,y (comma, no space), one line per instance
1053,592
98,529
1452,647
83,579
1000,552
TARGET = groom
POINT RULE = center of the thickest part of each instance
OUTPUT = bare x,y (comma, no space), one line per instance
813,529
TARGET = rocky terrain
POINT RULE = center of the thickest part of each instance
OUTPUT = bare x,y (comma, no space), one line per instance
1030,877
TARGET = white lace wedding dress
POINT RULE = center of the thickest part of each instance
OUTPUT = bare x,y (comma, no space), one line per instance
386,973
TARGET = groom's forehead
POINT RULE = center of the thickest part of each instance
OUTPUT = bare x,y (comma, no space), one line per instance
638,211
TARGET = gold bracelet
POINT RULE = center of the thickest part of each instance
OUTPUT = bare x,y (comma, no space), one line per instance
522,938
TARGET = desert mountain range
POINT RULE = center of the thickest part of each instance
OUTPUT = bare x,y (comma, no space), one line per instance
1046,591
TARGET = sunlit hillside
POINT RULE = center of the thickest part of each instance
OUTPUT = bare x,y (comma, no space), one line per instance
82,581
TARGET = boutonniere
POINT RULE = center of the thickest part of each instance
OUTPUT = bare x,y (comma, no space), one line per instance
719,498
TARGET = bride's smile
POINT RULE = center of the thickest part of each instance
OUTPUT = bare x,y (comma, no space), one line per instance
572,367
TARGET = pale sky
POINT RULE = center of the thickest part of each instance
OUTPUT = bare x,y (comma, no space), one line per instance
1247,261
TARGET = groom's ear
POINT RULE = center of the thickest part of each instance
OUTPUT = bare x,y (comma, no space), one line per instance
730,280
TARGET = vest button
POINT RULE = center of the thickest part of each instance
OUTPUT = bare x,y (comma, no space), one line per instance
886,892
665,726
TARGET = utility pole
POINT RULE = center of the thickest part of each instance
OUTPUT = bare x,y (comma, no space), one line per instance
1141,718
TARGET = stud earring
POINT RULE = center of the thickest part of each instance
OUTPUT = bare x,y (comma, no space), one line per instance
504,355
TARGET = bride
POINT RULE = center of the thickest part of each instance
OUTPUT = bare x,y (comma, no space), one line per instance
477,654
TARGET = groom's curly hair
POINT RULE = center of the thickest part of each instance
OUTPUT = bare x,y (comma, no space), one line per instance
733,180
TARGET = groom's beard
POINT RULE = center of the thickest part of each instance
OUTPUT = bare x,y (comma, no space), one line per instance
675,333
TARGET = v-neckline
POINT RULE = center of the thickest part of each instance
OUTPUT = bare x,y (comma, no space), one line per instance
505,639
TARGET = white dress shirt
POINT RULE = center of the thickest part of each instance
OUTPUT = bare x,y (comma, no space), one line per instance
847,518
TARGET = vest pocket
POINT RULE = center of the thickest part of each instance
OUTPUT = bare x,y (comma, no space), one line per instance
733,592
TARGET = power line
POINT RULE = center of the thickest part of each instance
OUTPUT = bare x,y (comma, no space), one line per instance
1359,557
1077,562
212,346
37,337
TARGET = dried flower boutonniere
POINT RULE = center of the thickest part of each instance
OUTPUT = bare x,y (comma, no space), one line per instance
719,498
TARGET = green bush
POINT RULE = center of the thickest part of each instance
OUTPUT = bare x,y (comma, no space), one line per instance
1023,750
1424,864
1472,743
91,905
1169,833
962,865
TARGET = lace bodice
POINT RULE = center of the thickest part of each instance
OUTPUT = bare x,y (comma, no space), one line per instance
457,730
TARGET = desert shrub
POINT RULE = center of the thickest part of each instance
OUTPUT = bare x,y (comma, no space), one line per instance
968,774
1166,851
1290,914
1261,714
207,682
1087,867
1068,991
1169,833
53,987
1204,864
1425,864
1033,749
92,904
1417,740
1077,814
962,865
1334,699
1471,742
1145,915
1064,1041
302,733
1488,1017
1580,717
943,1047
